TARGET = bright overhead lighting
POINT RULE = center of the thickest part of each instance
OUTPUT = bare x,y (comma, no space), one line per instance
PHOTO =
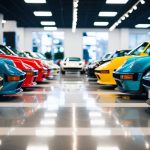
108,148
35,1
148,18
42,13
142,2
135,7
107,14
3,21
116,1
142,26
50,28
46,23
37,147
101,23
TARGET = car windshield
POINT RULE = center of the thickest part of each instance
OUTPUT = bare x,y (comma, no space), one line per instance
120,53
73,59
41,55
32,55
7,50
138,50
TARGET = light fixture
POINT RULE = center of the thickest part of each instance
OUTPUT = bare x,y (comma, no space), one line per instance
75,15
46,23
142,26
126,15
35,1
50,28
142,2
101,23
42,13
148,18
107,14
3,21
135,7
116,1
123,18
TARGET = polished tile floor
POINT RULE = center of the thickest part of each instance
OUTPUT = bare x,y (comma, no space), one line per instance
72,113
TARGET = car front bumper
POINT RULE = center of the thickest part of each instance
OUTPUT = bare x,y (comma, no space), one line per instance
130,86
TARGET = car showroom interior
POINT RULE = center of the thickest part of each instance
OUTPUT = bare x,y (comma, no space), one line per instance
74,74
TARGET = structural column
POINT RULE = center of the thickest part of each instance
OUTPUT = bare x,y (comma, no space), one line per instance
1,29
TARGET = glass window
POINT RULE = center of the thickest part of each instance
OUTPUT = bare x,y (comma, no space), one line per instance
148,50
95,45
73,59
138,50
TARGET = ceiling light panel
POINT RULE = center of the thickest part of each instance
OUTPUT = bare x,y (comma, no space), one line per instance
35,1
142,26
116,1
42,13
46,23
107,14
101,23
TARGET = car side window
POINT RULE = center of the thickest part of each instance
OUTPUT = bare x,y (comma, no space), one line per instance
148,51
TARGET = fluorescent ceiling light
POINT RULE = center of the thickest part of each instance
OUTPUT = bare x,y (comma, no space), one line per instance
35,1
50,28
42,13
108,14
116,1
101,23
142,26
46,23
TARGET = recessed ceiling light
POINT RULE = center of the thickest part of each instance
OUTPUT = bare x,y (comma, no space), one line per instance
46,23
42,13
101,23
116,1
142,26
107,14
50,28
35,1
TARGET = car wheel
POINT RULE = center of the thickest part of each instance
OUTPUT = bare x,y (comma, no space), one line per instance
114,86
82,72
63,72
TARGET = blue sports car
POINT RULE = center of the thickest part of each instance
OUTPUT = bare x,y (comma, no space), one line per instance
12,78
129,76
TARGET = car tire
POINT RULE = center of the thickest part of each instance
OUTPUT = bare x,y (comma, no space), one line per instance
114,86
63,72
82,72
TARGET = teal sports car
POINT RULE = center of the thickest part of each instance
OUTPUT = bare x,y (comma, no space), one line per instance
11,78
129,76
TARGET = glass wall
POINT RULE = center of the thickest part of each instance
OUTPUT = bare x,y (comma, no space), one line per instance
137,38
95,45
49,43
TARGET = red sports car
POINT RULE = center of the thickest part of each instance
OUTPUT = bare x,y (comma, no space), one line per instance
36,64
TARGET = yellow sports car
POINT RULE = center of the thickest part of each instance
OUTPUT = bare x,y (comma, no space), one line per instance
104,73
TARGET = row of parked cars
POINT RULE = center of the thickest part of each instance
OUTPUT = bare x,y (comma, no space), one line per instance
23,70
129,70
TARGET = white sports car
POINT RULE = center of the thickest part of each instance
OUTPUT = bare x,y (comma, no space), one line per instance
73,64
